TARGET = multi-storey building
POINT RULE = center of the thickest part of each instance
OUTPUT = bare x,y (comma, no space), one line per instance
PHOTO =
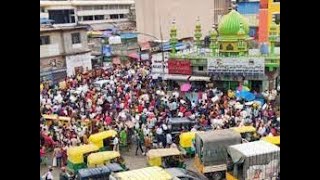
63,52
99,14
269,13
155,16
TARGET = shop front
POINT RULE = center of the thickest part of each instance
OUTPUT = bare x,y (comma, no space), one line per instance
230,72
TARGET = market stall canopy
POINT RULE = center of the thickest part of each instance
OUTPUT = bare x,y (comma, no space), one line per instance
246,95
185,87
199,78
134,55
176,77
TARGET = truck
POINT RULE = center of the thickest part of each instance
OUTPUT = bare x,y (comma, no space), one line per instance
258,160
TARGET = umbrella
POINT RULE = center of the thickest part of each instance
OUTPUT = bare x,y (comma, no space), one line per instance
246,95
185,87
243,88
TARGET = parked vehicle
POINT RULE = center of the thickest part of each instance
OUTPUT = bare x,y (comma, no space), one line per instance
254,161
168,157
211,152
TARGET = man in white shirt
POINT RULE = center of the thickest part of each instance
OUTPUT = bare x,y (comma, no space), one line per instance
48,175
116,143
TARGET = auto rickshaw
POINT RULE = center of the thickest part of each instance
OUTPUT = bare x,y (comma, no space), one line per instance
77,156
166,158
176,125
93,173
103,139
50,118
186,142
272,139
143,174
98,173
103,158
248,133
211,152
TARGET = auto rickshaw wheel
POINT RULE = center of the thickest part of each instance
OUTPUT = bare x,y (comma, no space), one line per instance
217,176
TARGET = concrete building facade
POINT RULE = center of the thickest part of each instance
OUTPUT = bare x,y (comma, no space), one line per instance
63,52
97,13
151,13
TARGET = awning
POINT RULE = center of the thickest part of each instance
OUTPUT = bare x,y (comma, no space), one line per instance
176,77
155,76
199,78
134,55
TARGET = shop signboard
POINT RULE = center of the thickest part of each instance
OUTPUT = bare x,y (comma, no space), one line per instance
179,67
160,62
252,68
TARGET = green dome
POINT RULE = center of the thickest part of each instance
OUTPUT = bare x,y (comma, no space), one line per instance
230,24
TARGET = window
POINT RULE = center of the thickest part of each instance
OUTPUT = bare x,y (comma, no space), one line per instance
42,10
75,38
276,18
98,7
113,6
62,16
200,68
121,16
88,18
44,40
114,16
98,17
229,47
86,8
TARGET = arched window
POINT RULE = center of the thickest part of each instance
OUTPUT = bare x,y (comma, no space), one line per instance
229,47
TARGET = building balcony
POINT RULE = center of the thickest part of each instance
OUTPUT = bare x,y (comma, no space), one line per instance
101,12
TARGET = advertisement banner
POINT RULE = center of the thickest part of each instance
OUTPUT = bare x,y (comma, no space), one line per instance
252,68
160,63
107,50
179,67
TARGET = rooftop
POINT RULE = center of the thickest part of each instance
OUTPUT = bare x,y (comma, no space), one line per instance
48,28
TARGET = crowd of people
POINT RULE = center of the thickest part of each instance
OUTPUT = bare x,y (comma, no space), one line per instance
138,108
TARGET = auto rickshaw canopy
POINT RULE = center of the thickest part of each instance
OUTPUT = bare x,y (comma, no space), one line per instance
98,138
144,174
154,156
75,154
272,139
154,153
244,129
186,139
94,172
100,157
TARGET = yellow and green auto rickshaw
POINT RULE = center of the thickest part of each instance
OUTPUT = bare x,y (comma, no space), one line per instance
147,173
50,118
77,156
100,159
187,143
272,139
166,158
248,133
103,139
